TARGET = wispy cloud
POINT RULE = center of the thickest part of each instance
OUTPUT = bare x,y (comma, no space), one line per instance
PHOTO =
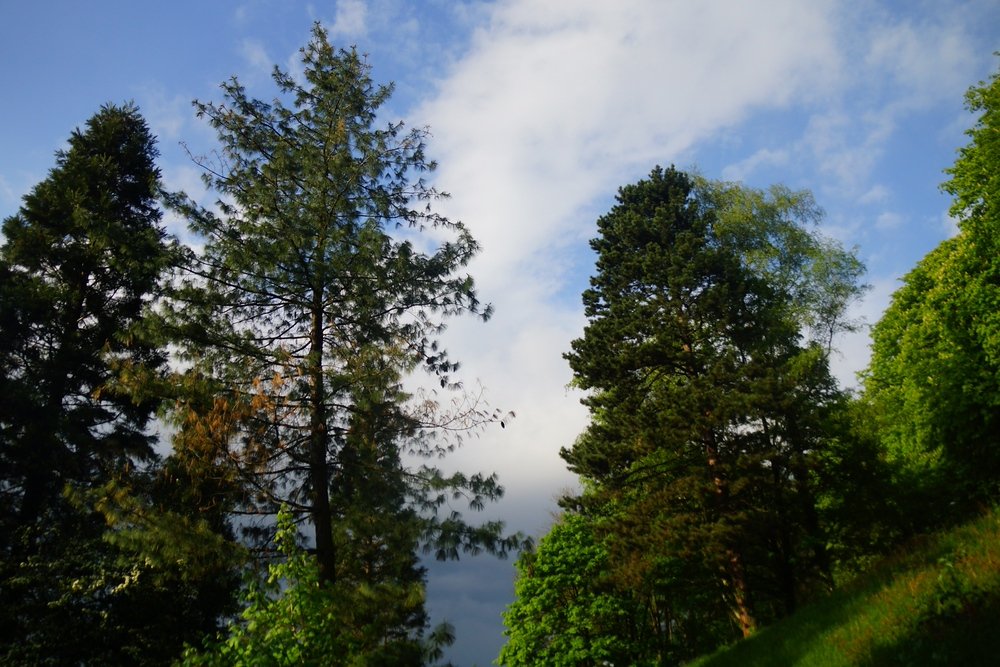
893,68
169,115
764,157
927,60
877,194
853,350
556,104
350,19
8,198
888,220
949,225
255,55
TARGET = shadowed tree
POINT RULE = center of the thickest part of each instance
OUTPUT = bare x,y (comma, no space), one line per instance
80,263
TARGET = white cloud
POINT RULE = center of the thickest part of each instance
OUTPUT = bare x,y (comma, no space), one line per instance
765,157
853,350
893,68
559,103
876,195
928,61
168,115
847,145
255,55
888,220
949,224
350,19
553,107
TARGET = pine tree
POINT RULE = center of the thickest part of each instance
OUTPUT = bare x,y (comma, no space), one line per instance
707,394
315,298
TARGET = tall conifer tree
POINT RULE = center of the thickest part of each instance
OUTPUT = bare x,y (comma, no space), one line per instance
315,297
705,355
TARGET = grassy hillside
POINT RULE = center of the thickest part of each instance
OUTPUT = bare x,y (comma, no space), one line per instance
938,603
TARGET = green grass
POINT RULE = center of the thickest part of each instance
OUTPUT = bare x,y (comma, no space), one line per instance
937,603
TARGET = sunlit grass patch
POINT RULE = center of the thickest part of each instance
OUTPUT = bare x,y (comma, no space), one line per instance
936,603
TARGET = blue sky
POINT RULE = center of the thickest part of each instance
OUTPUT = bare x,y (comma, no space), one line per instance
539,111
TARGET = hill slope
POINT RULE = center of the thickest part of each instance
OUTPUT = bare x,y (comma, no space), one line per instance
938,603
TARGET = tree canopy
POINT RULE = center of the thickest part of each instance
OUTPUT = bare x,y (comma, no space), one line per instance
934,376
705,358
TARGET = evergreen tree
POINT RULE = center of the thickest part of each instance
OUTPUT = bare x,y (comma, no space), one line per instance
80,263
80,260
314,299
707,394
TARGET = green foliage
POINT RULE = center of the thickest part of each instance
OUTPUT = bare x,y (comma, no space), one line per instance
80,260
566,611
771,232
705,354
293,617
131,580
853,474
934,377
922,444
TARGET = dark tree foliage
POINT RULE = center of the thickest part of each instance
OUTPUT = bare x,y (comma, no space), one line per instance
315,297
80,262
705,357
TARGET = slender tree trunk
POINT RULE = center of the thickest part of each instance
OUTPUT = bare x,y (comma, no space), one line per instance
318,439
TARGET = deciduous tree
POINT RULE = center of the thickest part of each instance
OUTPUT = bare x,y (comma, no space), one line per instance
934,377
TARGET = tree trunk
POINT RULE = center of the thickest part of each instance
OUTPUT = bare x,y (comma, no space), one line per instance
740,605
741,608
318,437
